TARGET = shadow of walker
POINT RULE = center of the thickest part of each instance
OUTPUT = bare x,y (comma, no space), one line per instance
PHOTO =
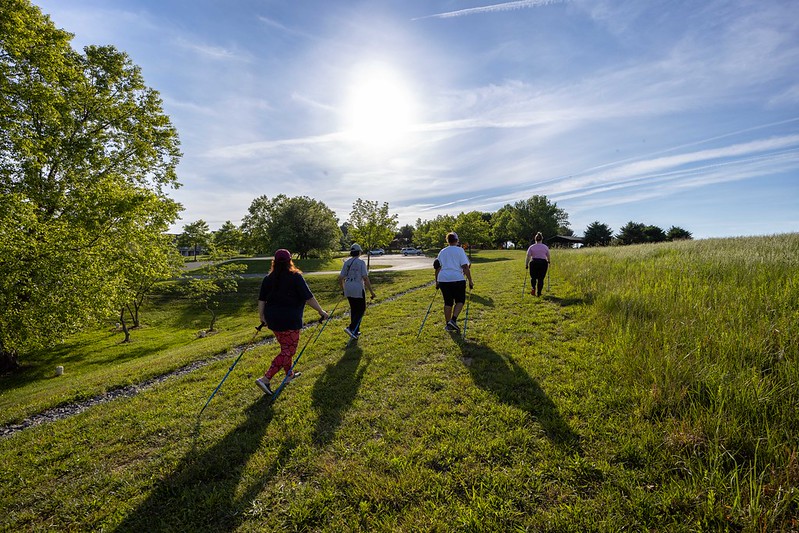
512,385
203,493
334,392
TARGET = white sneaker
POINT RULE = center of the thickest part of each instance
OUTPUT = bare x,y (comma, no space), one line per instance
350,333
293,376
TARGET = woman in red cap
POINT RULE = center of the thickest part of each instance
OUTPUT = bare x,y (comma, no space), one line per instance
284,294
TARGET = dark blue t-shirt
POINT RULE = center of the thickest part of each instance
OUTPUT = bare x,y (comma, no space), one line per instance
285,296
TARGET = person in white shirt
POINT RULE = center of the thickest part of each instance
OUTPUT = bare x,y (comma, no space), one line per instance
353,279
451,267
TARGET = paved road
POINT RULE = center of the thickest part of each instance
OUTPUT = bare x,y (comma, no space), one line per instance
386,262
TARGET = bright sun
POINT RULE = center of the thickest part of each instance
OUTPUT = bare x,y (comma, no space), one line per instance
380,108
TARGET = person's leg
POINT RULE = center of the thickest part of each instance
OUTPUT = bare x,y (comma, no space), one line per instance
532,277
288,341
543,276
449,300
353,305
538,282
357,310
460,298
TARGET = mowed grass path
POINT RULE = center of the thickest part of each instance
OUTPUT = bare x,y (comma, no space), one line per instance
531,423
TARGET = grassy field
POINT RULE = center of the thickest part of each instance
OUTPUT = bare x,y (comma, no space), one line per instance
650,388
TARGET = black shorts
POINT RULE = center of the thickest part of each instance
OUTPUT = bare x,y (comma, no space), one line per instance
453,291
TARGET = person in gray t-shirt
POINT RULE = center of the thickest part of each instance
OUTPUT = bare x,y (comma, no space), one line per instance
353,278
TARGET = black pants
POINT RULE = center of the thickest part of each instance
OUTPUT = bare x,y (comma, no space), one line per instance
357,310
538,271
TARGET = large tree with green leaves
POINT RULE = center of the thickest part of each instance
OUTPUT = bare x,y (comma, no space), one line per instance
654,234
433,233
501,226
473,229
303,225
148,257
537,214
404,236
676,233
86,154
371,224
632,233
196,236
213,283
597,234
228,237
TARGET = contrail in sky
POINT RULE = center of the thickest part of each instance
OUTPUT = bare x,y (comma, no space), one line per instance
505,6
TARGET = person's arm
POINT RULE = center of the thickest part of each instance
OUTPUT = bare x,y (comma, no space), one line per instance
318,308
262,311
341,283
437,269
467,271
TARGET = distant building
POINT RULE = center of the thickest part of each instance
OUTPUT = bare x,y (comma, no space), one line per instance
565,241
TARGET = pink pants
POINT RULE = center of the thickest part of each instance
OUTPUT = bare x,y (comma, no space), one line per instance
288,347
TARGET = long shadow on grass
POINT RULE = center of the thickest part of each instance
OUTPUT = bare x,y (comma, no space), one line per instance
511,384
482,300
203,493
334,392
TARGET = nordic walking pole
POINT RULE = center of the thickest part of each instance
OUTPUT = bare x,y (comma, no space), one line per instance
427,313
466,318
291,370
524,285
249,345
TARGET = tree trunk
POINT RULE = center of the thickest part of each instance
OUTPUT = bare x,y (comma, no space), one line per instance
124,325
213,318
8,361
134,314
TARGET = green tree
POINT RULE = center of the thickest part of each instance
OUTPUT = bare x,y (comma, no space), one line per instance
86,154
345,241
632,233
433,233
148,258
654,234
218,279
501,226
303,225
537,214
195,236
371,224
404,236
676,233
597,234
473,229
228,237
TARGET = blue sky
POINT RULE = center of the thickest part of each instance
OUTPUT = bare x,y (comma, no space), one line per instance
659,112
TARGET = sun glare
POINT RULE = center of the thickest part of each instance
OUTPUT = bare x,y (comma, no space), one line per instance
380,108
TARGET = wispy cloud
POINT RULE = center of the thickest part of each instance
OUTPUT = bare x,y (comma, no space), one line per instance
505,6
283,28
213,52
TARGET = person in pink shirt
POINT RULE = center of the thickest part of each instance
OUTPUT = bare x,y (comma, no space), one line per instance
537,261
